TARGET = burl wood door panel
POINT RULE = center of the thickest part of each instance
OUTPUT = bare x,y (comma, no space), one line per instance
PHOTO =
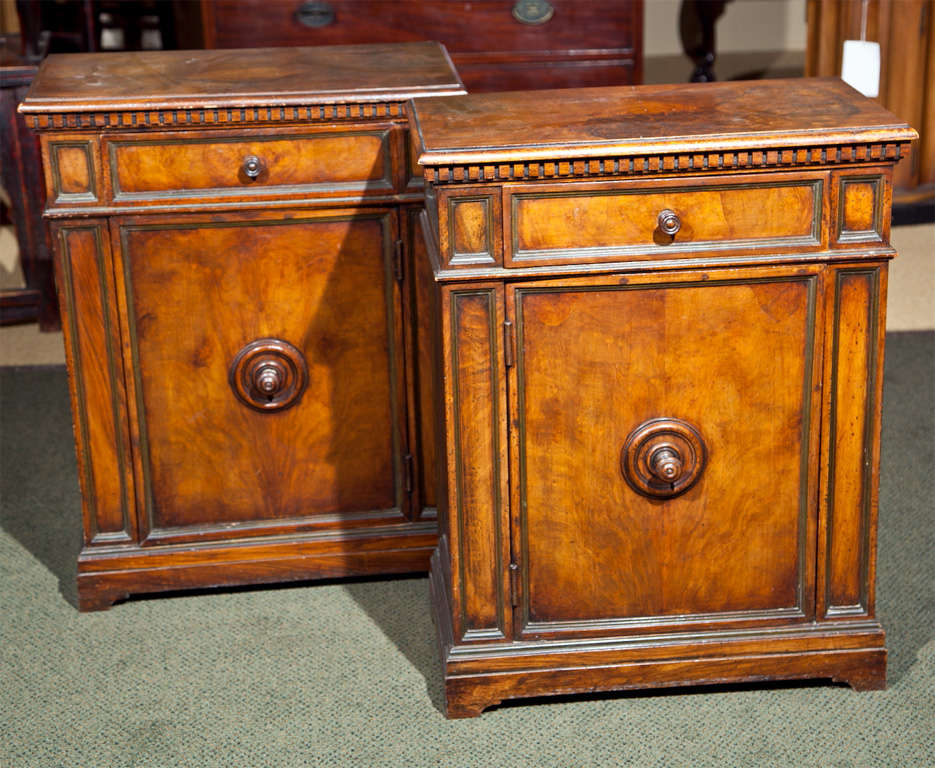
737,359
197,291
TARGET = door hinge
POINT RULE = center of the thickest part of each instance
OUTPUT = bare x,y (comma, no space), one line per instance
514,583
398,262
508,343
407,472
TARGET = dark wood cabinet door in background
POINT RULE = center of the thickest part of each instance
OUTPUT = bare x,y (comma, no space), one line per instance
496,45
21,177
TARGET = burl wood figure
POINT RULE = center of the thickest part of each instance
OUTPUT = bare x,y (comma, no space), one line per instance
231,234
659,354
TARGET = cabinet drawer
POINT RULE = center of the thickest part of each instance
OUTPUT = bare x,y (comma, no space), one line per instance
321,163
614,221
481,25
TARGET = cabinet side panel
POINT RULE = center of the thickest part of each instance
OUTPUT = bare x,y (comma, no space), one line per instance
96,379
422,288
853,440
475,410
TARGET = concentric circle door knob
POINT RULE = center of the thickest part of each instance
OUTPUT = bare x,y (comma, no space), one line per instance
269,374
663,457
669,222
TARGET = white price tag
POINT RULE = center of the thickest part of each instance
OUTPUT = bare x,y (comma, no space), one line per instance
860,66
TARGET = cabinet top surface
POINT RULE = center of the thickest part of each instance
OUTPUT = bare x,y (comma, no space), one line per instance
241,78
595,122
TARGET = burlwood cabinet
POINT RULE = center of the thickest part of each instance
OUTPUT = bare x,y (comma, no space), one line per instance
658,354
231,234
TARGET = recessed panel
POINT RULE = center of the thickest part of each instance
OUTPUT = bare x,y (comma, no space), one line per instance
201,294
468,227
72,172
860,209
731,364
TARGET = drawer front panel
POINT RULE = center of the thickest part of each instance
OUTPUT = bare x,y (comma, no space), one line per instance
621,221
214,461
596,366
192,165
481,25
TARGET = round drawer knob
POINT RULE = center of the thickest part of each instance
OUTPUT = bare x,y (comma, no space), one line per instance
669,222
269,374
252,166
663,457
315,14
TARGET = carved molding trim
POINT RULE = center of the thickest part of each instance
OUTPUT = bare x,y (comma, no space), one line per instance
679,162
201,117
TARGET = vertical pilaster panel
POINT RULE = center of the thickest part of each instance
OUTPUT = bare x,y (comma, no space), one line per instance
92,345
852,443
477,486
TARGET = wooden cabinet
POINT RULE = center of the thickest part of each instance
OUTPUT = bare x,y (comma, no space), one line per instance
658,355
496,45
231,234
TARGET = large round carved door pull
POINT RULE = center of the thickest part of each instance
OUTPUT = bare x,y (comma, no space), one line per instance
269,374
663,457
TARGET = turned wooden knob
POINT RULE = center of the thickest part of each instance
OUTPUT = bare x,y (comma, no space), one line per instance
269,378
663,457
666,464
269,374
252,166
669,222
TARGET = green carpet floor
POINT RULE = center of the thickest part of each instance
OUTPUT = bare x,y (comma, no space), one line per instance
346,673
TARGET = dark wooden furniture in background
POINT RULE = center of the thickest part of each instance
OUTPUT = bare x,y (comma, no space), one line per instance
660,348
697,20
54,27
21,177
80,26
905,31
496,45
230,232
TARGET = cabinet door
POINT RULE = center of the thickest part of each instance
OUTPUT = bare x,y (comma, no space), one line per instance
664,438
266,371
